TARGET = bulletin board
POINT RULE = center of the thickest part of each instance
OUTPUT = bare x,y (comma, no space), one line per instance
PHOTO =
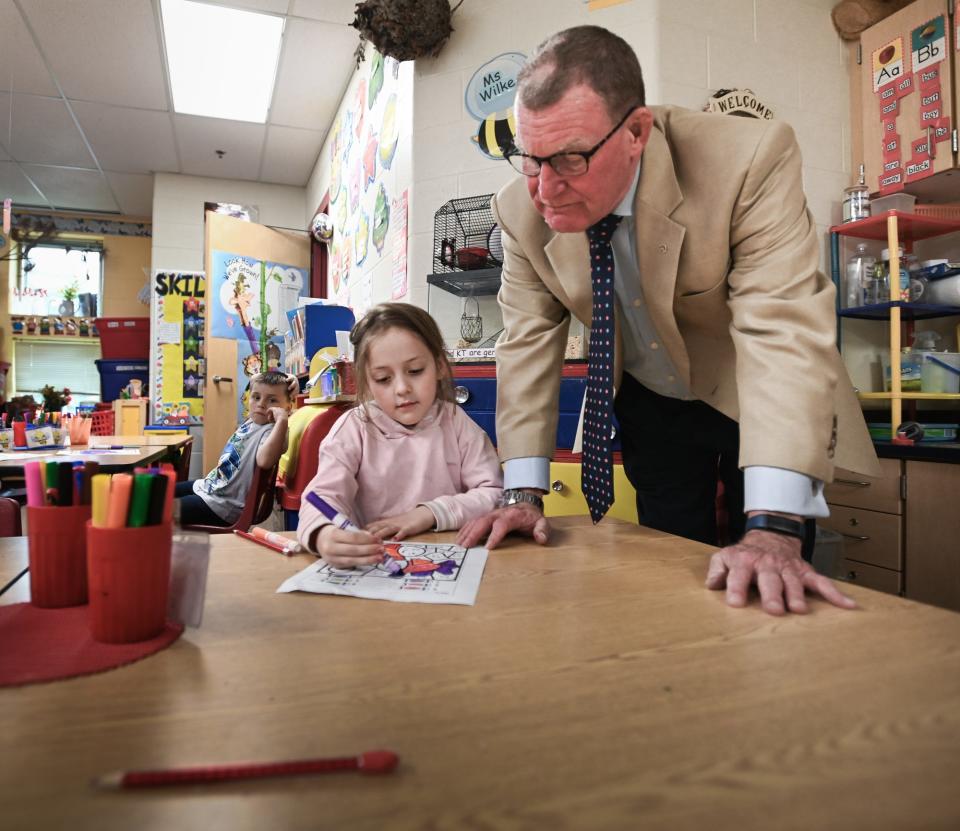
177,350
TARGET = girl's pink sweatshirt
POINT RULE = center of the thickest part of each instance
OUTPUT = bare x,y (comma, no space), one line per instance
374,467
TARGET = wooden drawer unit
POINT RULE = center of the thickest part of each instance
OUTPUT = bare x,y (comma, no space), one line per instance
876,494
872,577
868,536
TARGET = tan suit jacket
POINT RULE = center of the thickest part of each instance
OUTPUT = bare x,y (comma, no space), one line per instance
728,257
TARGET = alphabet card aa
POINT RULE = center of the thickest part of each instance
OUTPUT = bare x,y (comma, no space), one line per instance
411,572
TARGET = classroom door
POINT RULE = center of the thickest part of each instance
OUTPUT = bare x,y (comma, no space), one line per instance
221,384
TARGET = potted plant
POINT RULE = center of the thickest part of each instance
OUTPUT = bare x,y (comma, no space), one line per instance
69,295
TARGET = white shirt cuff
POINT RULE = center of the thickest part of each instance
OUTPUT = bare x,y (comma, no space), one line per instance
527,472
785,491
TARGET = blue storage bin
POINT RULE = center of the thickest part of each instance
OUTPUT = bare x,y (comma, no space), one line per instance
115,375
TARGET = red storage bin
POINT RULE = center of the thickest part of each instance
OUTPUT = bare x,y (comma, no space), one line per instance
124,337
102,423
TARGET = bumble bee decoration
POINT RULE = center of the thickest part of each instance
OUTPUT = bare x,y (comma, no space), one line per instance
496,134
489,98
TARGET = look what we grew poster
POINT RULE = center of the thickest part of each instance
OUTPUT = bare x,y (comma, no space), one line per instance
249,301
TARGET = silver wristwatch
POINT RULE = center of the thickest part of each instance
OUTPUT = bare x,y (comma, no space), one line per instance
512,497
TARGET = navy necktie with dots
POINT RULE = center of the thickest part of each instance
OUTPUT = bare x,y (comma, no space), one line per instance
596,475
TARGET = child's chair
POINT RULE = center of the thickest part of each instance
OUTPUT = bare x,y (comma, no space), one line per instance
306,462
182,463
10,518
256,509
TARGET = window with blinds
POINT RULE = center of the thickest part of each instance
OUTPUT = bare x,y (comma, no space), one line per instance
60,364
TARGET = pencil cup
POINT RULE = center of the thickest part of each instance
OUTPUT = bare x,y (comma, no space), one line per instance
128,571
19,434
6,438
80,430
58,555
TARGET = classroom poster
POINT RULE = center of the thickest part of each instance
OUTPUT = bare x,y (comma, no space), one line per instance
250,298
363,152
177,351
399,273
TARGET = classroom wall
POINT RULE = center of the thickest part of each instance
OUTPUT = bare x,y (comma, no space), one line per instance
126,269
178,213
788,54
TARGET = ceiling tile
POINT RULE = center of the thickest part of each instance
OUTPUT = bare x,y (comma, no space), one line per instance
69,188
14,185
21,67
134,192
43,132
290,155
199,137
102,50
3,154
129,140
330,11
316,63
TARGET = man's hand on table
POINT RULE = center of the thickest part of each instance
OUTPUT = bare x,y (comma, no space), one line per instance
771,561
521,517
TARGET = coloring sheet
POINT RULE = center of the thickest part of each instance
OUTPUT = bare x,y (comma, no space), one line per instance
411,572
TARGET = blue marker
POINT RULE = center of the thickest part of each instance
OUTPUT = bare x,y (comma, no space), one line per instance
331,513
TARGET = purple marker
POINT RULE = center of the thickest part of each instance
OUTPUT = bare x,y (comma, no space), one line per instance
330,512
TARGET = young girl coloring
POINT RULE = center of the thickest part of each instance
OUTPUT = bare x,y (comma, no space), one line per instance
407,459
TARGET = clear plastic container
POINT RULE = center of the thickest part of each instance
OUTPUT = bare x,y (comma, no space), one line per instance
859,278
940,372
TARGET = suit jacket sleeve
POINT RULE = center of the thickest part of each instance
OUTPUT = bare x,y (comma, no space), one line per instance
782,316
529,355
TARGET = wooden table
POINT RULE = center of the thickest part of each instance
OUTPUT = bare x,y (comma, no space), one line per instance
110,462
595,685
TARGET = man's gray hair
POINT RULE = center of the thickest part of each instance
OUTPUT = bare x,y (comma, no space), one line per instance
589,55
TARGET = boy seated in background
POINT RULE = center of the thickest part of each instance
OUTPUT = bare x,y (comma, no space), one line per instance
218,498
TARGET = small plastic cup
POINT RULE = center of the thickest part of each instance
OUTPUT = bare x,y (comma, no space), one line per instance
128,571
80,430
58,555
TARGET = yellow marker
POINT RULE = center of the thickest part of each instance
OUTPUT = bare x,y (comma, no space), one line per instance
100,495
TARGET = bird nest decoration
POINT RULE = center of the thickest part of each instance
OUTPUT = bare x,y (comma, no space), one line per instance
405,29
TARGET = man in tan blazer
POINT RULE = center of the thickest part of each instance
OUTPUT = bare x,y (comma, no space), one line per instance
725,348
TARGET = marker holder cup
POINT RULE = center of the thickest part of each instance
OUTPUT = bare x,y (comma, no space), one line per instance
19,434
58,555
129,576
80,429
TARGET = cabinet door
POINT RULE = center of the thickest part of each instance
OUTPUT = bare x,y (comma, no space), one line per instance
872,577
933,533
910,117
868,536
873,493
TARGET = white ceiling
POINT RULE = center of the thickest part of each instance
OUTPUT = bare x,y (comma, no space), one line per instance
85,107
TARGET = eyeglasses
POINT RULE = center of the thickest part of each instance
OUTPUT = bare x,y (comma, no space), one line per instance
569,163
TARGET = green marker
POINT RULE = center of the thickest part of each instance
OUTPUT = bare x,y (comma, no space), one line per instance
140,501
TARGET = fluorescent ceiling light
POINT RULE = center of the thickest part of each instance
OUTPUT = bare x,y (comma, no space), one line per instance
222,62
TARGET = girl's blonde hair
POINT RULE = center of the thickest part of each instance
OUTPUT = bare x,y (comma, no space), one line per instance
387,316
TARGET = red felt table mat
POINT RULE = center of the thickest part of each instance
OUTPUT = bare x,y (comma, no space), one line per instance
48,644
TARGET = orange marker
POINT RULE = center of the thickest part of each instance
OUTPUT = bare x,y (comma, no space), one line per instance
171,475
121,487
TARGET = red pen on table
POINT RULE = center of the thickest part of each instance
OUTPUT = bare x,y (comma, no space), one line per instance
292,546
373,761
